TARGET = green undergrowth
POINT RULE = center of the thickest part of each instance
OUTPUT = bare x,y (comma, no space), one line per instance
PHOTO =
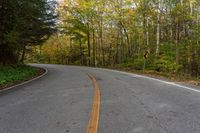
179,77
12,74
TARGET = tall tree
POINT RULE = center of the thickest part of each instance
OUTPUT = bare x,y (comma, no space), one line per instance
24,22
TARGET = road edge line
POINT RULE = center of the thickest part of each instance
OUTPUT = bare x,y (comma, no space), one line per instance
155,79
26,82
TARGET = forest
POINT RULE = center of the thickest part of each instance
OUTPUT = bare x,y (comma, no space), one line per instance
24,23
156,35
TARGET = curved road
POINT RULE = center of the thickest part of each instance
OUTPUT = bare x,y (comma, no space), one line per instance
61,102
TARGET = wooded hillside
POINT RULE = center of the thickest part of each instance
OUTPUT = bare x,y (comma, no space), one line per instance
119,33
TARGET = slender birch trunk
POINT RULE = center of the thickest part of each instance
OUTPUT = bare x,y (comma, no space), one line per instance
158,29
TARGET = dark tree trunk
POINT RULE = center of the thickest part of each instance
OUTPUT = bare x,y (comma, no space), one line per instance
7,55
89,47
81,52
94,49
23,54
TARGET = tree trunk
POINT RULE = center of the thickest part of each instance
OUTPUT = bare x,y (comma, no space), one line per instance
89,47
118,56
158,29
7,55
70,51
23,54
94,49
147,34
81,52
191,8
144,30
177,41
127,37
101,41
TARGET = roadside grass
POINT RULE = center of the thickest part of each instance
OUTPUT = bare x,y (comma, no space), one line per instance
10,75
161,75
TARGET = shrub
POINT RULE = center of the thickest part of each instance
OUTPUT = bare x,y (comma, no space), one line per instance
164,65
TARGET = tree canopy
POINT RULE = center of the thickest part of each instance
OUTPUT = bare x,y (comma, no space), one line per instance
109,33
121,31
22,23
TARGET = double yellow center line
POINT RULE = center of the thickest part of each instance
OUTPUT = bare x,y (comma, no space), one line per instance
94,115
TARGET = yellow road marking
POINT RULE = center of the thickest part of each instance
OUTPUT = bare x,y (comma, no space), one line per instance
94,115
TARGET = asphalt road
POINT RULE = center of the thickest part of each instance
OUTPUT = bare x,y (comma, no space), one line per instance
61,102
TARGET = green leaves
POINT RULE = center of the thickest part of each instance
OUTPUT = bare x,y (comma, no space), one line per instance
24,22
9,75
119,31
